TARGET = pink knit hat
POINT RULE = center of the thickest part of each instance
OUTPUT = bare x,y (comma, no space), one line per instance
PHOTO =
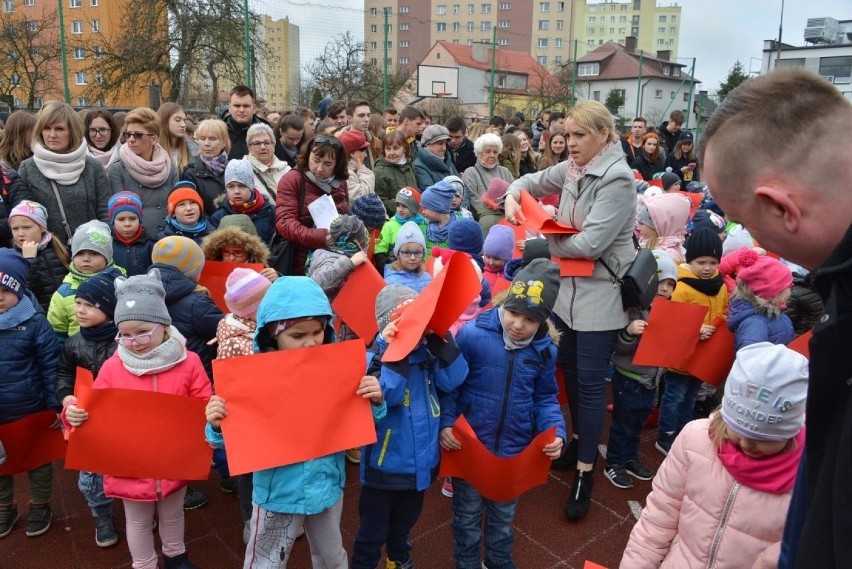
244,290
765,276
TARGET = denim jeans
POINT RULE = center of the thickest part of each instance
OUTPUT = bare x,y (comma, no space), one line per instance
585,357
631,405
677,403
92,487
468,507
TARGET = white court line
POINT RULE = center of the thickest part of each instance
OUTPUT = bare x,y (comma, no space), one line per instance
635,508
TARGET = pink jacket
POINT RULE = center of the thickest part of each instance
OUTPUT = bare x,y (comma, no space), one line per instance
187,378
698,516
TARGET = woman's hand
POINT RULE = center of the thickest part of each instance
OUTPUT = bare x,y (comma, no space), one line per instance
359,258
448,439
514,215
554,450
215,411
369,388
29,249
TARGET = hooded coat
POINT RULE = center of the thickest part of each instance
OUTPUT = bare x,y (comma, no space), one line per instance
670,213
754,320
234,237
390,178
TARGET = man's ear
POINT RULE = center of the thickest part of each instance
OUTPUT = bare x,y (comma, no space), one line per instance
780,204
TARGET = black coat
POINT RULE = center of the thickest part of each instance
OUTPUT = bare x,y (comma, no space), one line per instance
237,133
676,165
804,307
46,274
463,156
646,168
10,183
209,185
80,352
134,258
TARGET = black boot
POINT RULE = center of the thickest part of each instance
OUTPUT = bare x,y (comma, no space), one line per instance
178,562
568,459
578,503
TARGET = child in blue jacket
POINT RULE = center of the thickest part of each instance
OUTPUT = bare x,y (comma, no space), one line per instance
509,397
403,463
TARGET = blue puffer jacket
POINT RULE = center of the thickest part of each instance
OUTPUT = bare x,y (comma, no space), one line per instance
509,396
28,359
263,219
193,313
415,281
406,455
134,258
751,325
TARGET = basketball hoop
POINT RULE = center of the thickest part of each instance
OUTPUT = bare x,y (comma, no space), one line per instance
441,95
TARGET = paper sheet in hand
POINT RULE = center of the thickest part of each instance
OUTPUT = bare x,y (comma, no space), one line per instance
323,211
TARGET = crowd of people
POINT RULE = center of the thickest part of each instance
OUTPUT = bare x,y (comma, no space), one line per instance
107,220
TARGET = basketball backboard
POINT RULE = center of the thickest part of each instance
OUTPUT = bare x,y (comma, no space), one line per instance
439,82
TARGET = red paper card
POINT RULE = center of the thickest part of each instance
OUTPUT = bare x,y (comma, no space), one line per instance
496,478
140,434
83,380
574,267
671,334
30,442
713,358
538,219
521,234
695,202
437,307
500,285
295,405
215,274
592,565
802,344
356,301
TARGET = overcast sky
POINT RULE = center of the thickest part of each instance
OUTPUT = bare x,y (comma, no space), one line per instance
717,32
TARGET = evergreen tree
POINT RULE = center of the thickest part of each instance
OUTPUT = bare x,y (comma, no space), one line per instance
735,76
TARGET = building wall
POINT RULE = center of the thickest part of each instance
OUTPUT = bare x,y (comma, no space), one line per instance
810,58
654,27
659,97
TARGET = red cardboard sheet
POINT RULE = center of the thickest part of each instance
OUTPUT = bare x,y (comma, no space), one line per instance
574,267
215,274
292,406
538,219
802,344
592,565
140,434
356,301
713,358
671,334
30,442
437,307
498,479
500,285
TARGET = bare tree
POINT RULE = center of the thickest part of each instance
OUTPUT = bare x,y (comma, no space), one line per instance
32,56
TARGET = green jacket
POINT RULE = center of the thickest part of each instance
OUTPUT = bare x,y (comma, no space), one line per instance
390,178
60,314
387,238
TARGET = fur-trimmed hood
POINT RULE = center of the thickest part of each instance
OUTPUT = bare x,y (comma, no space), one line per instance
234,237
759,305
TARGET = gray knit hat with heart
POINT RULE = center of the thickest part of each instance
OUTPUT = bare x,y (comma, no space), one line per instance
141,297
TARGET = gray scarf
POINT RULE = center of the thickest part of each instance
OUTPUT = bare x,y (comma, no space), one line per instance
162,358
507,340
327,185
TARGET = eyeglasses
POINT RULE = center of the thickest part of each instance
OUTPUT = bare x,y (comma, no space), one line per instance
260,143
412,254
138,340
99,131
330,140
136,135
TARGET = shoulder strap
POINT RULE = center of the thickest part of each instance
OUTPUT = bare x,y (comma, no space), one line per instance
61,210
301,196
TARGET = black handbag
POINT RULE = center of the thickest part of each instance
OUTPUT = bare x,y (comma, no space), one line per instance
282,252
639,284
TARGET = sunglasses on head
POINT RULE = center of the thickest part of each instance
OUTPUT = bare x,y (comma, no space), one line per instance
330,140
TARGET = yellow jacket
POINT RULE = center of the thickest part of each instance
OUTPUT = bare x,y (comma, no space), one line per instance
718,304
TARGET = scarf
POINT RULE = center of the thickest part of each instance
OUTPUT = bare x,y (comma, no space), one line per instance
402,161
253,205
151,174
106,332
710,286
46,238
508,342
162,358
416,218
63,168
774,474
217,164
21,312
85,276
438,234
187,230
573,173
327,185
105,157
130,241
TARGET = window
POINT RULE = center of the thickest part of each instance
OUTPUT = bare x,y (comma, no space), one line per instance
96,51
373,45
560,6
611,31
501,80
676,71
441,27
542,42
596,95
591,31
99,78
588,69
471,8
635,20
38,102
76,27
456,26
661,30
544,6
622,19
672,30
837,67
404,61
456,9
503,41
96,25
82,102
557,60
591,19
373,28
634,32
591,42
8,5
622,31
374,12
672,95
559,24
76,3
32,26
673,19
404,9
79,53
612,19
485,26
658,93
374,61
470,26
558,42
686,97
29,2
544,24
504,23
441,10
542,59
662,19
469,42
661,42
624,7
94,2
405,27
80,78
505,6
486,8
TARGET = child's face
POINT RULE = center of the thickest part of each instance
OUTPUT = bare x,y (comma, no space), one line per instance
432,216
780,299
646,231
411,256
8,299
403,211
704,267
88,315
755,448
126,224
457,200
187,212
304,334
141,337
394,153
238,193
24,229
494,263
89,262
234,254
665,288
519,326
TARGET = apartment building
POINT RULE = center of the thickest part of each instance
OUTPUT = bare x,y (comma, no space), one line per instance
278,79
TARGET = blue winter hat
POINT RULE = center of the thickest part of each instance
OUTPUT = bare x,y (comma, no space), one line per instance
14,270
438,197
124,201
99,291
465,235
369,209
499,243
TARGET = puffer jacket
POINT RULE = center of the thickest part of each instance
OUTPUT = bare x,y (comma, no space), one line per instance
330,270
390,230
234,337
804,306
234,237
46,275
80,352
717,303
263,219
415,281
154,200
625,349
430,169
753,321
602,205
406,454
193,313
699,516
28,359
210,186
509,396
134,258
188,379
390,178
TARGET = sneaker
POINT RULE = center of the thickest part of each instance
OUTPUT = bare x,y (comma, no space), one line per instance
105,532
617,474
400,564
38,519
638,470
194,499
353,455
580,500
8,517
447,487
568,460
228,484
301,532
663,445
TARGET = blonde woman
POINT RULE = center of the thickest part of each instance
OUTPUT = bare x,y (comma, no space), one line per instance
207,171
